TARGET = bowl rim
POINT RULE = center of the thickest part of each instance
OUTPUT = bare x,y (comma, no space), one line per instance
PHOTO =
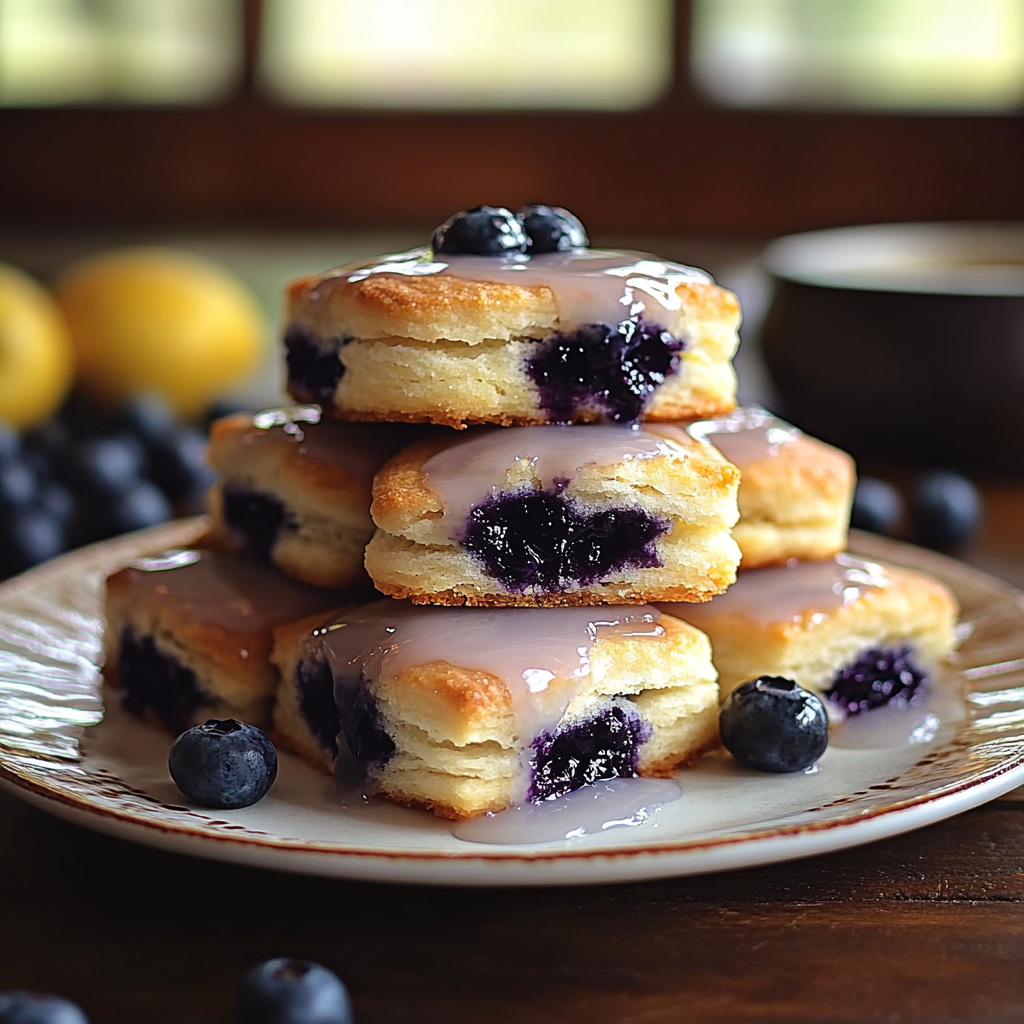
966,258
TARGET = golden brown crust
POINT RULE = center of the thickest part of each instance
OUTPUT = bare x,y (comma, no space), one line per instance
590,596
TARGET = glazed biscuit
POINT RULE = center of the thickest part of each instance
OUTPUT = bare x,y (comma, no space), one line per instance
555,516
466,711
857,632
294,490
795,492
306,719
189,633
573,337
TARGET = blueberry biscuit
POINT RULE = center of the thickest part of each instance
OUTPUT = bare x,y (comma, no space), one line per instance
189,634
795,492
471,710
576,336
294,490
859,633
555,516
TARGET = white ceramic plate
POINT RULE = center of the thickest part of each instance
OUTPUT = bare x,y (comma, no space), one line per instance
59,752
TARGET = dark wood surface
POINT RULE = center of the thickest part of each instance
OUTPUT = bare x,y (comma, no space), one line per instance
925,927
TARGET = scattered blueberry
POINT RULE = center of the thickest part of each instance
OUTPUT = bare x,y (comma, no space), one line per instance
142,504
10,442
104,466
877,507
551,229
945,510
150,418
223,764
482,231
772,725
38,1008
178,463
32,536
56,499
18,485
287,991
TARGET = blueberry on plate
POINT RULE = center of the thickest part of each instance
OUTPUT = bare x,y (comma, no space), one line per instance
482,231
142,504
179,463
772,725
223,764
288,991
551,229
149,417
945,509
38,1008
877,507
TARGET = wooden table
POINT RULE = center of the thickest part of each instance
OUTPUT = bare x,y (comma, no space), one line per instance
925,927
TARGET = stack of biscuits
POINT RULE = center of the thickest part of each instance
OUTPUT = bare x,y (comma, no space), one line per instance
534,455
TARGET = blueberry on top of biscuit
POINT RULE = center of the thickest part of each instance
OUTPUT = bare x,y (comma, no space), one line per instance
482,231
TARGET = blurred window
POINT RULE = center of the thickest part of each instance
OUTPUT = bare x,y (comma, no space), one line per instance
56,52
583,54
942,55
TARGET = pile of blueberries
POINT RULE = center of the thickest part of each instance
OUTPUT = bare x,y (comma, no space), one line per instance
88,474
280,991
496,231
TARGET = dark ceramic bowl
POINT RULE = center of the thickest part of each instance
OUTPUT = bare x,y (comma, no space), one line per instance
903,343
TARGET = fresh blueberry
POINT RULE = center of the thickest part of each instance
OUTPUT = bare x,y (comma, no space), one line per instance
288,991
772,725
33,535
56,499
149,417
482,231
945,509
18,485
104,466
223,764
877,507
38,1008
142,504
551,229
10,442
179,464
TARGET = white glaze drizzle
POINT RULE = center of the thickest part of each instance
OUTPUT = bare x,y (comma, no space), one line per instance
589,285
358,449
798,592
486,462
225,590
541,654
591,810
746,436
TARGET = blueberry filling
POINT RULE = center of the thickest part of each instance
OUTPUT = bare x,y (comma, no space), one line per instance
876,678
152,682
256,518
315,685
545,540
366,742
314,368
605,369
593,750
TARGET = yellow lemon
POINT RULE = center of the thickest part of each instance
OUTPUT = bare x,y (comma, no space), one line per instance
36,363
158,320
